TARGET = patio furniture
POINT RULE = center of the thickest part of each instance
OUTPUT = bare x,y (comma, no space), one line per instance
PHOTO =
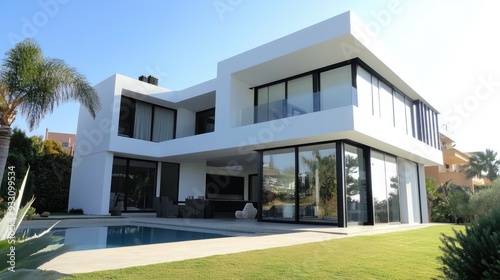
248,212
165,207
197,208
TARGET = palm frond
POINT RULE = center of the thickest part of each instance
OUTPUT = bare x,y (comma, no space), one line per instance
36,85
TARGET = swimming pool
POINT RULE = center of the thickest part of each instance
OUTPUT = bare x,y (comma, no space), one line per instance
91,238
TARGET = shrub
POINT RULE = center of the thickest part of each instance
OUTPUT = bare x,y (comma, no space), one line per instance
474,254
75,211
52,180
458,204
28,253
483,201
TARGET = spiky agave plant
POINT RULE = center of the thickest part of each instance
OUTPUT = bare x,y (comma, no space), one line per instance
20,258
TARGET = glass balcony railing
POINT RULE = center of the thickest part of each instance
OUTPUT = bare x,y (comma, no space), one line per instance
294,106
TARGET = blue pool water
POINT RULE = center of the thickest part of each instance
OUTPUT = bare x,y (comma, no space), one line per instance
90,238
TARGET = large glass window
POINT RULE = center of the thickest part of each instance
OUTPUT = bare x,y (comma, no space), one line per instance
296,96
118,184
392,184
133,184
379,188
409,117
301,184
278,193
300,98
386,105
375,97
290,98
399,111
385,188
163,124
318,183
141,185
336,88
205,121
355,180
142,121
127,116
145,121
364,90
271,102
169,182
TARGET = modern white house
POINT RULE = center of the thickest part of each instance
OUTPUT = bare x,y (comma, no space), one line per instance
320,126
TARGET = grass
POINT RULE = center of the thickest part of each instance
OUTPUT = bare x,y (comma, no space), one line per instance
400,255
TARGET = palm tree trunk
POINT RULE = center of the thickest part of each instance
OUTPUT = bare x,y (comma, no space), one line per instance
5,133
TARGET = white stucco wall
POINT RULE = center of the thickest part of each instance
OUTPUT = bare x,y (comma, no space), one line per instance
186,123
91,183
192,178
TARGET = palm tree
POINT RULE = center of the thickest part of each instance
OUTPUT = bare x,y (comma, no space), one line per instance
483,164
33,85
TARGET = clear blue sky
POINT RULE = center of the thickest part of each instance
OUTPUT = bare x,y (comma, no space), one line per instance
451,47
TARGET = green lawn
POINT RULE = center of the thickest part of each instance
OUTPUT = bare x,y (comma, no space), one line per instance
400,255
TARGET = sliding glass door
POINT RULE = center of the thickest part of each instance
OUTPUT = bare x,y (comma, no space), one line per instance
356,185
133,185
385,187
318,183
278,193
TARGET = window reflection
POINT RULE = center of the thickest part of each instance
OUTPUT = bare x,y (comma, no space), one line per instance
318,183
336,88
278,193
392,188
385,188
355,178
132,185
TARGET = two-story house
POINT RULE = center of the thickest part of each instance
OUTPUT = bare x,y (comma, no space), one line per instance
320,126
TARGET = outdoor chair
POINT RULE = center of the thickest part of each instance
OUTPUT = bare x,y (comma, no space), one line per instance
165,207
248,212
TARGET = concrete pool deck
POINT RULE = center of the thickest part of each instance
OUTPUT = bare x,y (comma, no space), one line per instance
245,235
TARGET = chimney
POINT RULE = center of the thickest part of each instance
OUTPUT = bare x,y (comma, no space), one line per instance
153,80
149,79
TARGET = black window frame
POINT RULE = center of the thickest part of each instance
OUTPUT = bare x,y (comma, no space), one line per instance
202,119
129,120
316,82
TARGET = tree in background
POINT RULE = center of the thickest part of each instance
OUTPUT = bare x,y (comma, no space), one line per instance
21,155
52,147
483,165
50,173
485,200
33,85
52,177
448,202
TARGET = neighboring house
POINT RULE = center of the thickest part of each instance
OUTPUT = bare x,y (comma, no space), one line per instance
453,169
319,126
67,140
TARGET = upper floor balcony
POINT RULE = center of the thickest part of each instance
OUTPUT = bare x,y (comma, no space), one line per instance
339,86
295,106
